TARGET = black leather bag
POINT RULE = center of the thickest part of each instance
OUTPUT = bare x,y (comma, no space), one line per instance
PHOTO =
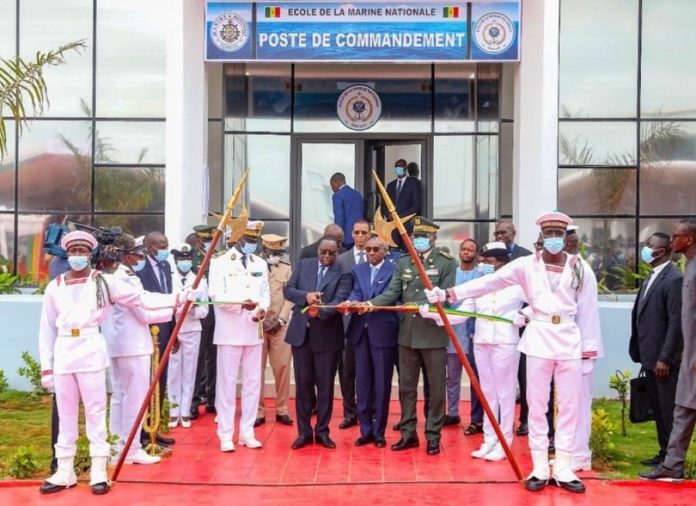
641,407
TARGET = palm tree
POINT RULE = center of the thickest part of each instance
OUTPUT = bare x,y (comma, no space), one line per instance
22,86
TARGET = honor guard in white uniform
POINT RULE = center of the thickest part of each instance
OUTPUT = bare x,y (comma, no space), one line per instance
562,333
182,363
74,356
275,349
235,276
129,343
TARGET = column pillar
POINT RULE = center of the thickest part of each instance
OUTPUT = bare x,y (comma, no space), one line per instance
535,157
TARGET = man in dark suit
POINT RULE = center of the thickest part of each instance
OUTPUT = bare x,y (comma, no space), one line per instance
346,365
310,251
373,335
656,336
407,194
156,277
348,205
316,337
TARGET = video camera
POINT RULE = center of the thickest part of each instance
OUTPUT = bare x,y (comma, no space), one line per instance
105,236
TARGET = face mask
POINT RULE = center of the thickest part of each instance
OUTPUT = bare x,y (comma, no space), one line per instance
273,259
485,268
78,263
248,248
139,265
399,171
162,255
184,265
422,244
646,255
553,245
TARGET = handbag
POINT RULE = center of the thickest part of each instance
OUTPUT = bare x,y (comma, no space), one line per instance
641,406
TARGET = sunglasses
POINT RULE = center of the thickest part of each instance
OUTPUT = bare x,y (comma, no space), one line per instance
360,232
372,249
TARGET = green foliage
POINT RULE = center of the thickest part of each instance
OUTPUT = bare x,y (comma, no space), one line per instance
600,438
690,468
23,463
22,86
7,283
620,382
82,461
32,371
4,385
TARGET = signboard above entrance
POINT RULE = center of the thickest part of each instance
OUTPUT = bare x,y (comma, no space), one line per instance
362,31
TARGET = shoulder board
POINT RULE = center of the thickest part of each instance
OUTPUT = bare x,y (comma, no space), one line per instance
219,254
445,254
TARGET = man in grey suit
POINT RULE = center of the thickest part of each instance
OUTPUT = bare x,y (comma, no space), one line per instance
346,364
656,337
672,468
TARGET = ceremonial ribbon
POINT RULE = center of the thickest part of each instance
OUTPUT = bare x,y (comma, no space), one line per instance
412,308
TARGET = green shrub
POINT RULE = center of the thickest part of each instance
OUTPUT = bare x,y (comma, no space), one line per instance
32,371
83,461
22,463
690,468
600,438
620,382
7,283
4,385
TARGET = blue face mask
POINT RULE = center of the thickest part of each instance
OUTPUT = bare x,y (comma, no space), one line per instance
139,265
553,245
162,255
399,171
248,248
646,255
485,268
184,265
78,263
422,244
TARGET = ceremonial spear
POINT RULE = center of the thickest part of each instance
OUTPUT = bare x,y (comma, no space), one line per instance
179,322
448,327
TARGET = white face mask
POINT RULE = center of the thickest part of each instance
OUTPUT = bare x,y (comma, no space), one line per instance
273,259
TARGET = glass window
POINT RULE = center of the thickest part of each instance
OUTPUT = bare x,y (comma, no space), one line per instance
258,97
648,226
130,142
609,245
45,26
404,90
597,191
598,58
668,168
8,28
486,176
6,241
668,67
452,233
133,224
488,97
7,170
454,172
268,157
599,143
215,169
506,173
131,58
55,166
127,189
454,97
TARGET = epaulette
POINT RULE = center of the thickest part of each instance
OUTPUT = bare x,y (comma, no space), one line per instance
445,254
283,261
219,253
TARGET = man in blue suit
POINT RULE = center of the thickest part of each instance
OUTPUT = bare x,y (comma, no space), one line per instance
316,337
348,205
373,336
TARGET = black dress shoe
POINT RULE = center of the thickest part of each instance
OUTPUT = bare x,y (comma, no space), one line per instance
301,442
167,441
284,419
325,441
534,484
259,421
51,488
452,420
522,430
194,414
100,488
363,440
433,448
348,422
574,486
405,444
396,426
652,462
211,409
380,442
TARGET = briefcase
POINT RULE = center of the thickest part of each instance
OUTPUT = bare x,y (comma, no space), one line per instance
641,407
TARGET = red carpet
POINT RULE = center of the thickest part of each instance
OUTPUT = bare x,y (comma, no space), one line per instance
197,472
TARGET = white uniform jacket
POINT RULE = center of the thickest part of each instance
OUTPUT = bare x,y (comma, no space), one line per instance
506,303
564,322
69,337
192,322
231,282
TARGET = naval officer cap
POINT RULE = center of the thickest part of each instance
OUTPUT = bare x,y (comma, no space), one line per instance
204,232
495,249
183,251
554,219
572,229
424,226
274,242
253,229
126,243
78,238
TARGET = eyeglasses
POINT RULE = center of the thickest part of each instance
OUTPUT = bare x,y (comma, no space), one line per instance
327,253
372,249
360,232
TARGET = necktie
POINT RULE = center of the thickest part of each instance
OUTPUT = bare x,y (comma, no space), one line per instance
244,261
647,283
162,279
320,275
398,188
361,257
373,274
183,282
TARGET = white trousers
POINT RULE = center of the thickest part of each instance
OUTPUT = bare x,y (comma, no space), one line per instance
91,387
229,361
581,442
130,379
181,374
567,375
497,369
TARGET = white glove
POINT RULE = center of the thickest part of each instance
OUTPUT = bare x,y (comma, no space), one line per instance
423,310
193,294
519,320
437,294
587,365
47,382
